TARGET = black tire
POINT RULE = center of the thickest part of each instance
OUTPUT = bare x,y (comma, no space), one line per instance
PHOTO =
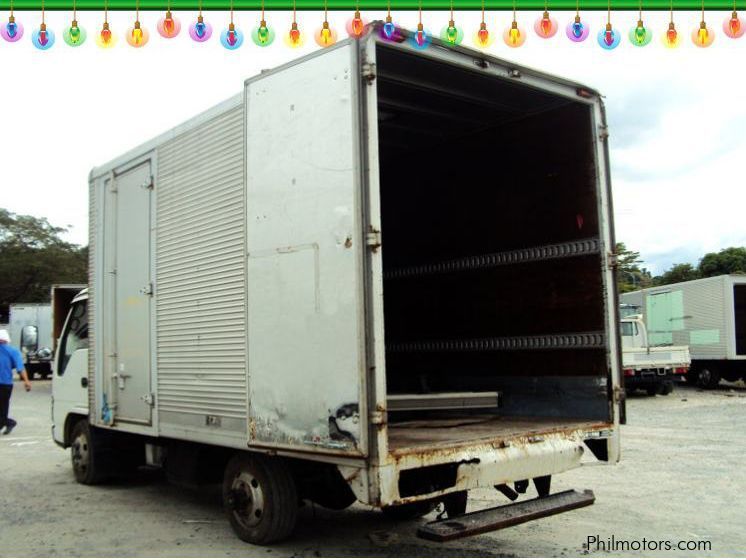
654,390
87,455
708,377
407,512
260,498
666,388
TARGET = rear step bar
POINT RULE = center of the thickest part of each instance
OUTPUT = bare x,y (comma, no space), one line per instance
491,519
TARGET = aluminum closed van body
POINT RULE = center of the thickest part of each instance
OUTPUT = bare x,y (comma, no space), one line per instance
30,330
708,315
383,272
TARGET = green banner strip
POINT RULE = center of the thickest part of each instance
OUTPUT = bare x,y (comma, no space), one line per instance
349,5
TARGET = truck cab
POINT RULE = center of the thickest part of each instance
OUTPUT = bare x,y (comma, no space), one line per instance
652,368
70,380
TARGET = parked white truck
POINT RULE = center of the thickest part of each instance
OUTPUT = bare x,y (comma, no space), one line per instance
30,330
651,368
378,274
708,315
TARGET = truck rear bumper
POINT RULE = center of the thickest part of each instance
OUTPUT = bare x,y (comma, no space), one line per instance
648,381
429,474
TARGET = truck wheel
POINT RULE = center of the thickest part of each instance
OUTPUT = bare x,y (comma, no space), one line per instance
708,377
86,455
407,512
260,498
654,390
667,388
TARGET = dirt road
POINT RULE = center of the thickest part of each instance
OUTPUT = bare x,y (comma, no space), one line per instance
680,479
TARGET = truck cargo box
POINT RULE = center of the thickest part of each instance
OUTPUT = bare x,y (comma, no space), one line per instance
394,261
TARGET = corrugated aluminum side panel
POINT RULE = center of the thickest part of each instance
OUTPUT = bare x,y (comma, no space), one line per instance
92,268
200,278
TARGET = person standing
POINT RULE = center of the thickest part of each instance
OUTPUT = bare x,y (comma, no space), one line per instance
10,359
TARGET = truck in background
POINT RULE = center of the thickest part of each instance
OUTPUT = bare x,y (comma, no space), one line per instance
30,330
708,315
261,302
650,368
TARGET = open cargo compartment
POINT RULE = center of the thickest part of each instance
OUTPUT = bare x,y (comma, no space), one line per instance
494,297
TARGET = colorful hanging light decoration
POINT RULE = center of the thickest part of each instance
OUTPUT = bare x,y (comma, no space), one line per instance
640,35
671,36
703,36
74,35
546,26
450,33
420,38
168,26
231,37
325,36
137,36
106,38
609,38
356,25
514,36
12,30
577,31
294,38
733,26
483,38
262,34
389,31
200,30
42,38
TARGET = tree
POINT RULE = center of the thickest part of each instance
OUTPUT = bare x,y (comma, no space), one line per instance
727,261
677,273
33,257
630,276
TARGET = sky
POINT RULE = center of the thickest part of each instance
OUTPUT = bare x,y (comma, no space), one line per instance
677,118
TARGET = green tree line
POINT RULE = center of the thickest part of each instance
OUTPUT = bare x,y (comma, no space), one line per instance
33,256
631,275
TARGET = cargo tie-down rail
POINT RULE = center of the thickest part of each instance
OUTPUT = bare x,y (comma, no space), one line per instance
579,248
541,342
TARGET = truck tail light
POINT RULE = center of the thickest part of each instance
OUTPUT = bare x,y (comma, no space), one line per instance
629,372
681,370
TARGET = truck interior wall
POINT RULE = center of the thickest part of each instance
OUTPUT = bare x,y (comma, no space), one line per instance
739,308
472,166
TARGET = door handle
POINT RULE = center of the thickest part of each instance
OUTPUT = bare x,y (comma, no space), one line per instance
84,382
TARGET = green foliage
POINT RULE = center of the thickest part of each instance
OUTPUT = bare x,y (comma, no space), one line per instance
727,261
630,275
677,273
33,257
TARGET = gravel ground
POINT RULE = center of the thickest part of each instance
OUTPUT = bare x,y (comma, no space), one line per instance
681,478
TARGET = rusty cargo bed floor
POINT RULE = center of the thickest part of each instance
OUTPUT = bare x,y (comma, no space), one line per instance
414,435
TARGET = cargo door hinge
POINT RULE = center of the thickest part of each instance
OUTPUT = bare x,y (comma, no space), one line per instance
147,290
369,72
149,399
373,239
603,132
619,394
612,260
148,183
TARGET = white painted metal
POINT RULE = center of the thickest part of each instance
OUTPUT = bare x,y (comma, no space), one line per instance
305,245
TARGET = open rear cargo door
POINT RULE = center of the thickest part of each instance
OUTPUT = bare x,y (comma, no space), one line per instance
306,349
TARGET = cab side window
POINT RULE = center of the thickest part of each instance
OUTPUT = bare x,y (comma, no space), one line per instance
75,335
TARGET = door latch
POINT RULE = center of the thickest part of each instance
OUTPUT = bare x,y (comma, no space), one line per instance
149,399
147,290
373,239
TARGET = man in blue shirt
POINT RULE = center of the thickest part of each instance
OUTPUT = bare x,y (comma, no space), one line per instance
10,359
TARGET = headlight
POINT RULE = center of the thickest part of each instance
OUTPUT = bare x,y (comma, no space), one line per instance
44,353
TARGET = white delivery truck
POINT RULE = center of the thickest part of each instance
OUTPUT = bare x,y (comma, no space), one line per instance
378,274
652,368
708,315
30,330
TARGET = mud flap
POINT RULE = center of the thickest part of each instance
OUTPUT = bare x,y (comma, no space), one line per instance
492,519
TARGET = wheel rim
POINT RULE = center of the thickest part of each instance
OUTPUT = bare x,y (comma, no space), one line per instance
246,500
705,376
80,454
